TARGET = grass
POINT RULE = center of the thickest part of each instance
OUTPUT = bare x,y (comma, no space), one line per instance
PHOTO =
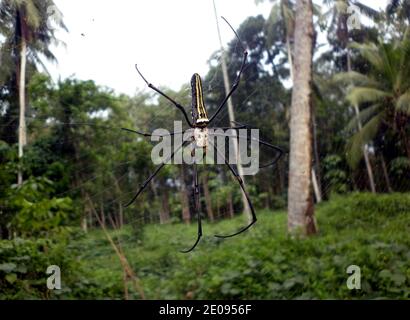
370,231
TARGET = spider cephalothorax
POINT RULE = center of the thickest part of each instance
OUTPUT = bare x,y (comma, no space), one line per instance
201,137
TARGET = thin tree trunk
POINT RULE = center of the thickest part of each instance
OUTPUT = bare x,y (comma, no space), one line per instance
406,141
316,176
290,58
300,203
386,174
208,200
165,211
281,175
84,226
120,205
120,214
218,207
230,205
102,213
227,85
22,102
359,124
316,189
128,272
186,213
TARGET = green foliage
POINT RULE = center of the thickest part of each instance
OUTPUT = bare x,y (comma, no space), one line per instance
367,230
35,214
23,265
382,94
335,174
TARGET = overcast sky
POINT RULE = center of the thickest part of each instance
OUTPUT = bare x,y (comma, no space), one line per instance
170,40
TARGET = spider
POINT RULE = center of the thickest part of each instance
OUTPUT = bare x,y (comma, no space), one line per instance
200,123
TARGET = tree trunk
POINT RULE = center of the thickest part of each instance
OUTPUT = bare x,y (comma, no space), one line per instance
316,176
102,213
120,219
186,213
208,200
316,188
385,173
120,215
22,103
84,224
300,202
290,58
165,211
227,85
230,206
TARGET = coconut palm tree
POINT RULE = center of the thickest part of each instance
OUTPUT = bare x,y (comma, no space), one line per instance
383,94
280,26
339,16
26,25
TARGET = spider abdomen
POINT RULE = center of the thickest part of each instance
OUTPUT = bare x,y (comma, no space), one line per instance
199,114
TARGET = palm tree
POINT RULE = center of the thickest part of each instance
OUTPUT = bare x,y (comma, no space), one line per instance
384,94
282,19
339,24
300,202
26,26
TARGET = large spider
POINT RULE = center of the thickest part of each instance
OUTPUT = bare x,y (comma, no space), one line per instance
200,123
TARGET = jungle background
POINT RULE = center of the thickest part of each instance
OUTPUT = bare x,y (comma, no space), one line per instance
67,172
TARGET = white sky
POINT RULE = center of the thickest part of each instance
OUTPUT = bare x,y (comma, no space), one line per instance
170,40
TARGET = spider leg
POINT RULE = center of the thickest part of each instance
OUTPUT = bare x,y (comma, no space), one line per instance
240,181
281,152
176,104
151,135
227,128
238,77
144,185
197,209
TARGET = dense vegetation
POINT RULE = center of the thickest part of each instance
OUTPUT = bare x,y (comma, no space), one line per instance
65,181
362,229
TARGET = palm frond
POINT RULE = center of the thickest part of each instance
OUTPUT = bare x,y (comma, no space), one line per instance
359,95
32,15
364,116
361,138
403,103
356,78
370,52
367,11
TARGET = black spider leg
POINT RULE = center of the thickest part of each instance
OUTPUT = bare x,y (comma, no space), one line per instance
144,185
227,128
238,77
240,181
196,204
181,108
152,135
281,152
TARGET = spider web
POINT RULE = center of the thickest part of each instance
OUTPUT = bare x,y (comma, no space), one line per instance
124,191
149,205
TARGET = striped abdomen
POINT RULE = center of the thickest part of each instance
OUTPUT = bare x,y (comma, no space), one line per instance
199,114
